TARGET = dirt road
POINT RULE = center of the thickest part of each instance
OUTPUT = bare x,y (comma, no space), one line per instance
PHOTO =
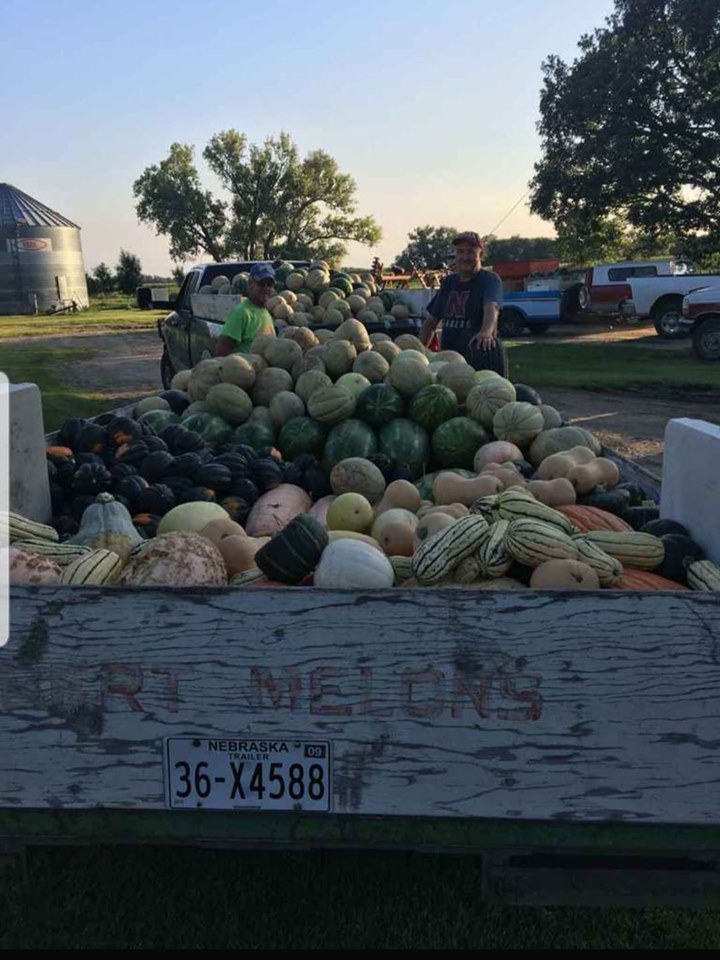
127,366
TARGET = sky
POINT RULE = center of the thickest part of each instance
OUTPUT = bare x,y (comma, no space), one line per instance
431,107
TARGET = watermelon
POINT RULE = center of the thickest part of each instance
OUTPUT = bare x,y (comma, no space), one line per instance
352,438
301,435
425,484
343,283
379,404
432,406
455,442
527,394
213,429
406,444
159,419
255,435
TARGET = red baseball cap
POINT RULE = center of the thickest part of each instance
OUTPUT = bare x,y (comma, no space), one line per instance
469,236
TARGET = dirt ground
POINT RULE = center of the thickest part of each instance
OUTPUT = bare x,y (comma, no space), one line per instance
127,366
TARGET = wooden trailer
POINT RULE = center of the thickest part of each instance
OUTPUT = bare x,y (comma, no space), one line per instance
570,740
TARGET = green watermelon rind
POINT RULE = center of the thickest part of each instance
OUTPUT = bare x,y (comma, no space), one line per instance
212,428
301,435
423,401
406,444
351,438
395,406
448,451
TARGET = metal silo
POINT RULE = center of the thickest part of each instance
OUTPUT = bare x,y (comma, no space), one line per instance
41,260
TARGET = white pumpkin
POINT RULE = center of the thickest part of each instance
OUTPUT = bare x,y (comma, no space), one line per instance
353,565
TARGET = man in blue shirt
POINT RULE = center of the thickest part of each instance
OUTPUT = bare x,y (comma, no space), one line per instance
468,303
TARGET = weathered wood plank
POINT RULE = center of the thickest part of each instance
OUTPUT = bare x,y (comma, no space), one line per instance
450,704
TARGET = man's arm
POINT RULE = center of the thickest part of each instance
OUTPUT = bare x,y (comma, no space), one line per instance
225,346
430,323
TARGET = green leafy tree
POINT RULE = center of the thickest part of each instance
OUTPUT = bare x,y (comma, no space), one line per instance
631,131
281,204
519,248
128,273
428,248
104,278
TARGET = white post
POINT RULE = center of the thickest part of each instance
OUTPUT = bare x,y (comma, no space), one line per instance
29,485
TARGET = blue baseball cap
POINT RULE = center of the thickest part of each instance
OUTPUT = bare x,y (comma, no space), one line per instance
262,271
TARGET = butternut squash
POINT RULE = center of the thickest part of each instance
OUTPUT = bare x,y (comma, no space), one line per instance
560,464
564,575
456,510
238,552
553,493
585,477
449,488
506,473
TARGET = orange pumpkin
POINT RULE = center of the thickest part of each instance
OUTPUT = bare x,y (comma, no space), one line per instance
593,518
643,580
58,452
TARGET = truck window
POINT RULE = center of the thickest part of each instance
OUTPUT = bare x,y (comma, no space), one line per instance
621,274
190,285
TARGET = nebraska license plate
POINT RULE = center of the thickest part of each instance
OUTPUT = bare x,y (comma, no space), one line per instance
247,774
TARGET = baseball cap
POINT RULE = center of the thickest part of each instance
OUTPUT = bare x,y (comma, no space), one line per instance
468,236
262,271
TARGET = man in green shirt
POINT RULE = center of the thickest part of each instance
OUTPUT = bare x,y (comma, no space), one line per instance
251,317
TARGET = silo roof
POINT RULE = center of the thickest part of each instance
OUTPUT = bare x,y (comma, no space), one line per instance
17,207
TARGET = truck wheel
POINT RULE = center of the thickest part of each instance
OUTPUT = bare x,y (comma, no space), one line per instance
538,327
166,370
706,339
667,316
495,359
575,300
511,323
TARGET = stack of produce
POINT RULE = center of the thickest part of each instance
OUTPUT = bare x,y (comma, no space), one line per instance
319,295
350,461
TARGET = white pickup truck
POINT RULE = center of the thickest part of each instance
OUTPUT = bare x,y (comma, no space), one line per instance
661,299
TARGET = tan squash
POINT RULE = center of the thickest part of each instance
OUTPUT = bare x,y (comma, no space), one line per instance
399,493
334,535
560,464
397,540
564,575
587,476
396,515
553,493
506,473
238,552
218,530
432,524
449,488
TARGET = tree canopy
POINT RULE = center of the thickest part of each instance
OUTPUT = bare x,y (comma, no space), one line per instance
279,203
631,130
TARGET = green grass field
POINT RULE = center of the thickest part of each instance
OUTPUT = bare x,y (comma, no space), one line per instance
614,366
95,320
168,898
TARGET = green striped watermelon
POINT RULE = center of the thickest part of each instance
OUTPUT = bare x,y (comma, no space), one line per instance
352,438
159,419
433,405
301,435
455,442
379,404
256,435
406,444
213,429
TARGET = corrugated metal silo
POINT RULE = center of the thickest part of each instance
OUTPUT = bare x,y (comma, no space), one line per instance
41,259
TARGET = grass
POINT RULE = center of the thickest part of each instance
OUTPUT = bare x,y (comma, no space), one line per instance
96,320
24,363
609,367
165,898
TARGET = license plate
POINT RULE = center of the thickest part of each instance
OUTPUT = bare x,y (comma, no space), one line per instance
247,774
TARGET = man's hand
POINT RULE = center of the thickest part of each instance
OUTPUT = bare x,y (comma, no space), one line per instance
484,340
427,329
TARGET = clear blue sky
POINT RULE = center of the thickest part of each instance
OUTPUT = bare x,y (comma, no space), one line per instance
430,106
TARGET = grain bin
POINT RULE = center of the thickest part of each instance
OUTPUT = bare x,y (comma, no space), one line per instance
41,260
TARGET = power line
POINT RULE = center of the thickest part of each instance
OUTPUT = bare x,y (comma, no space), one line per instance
516,204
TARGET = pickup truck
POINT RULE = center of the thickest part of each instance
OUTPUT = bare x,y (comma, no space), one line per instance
701,319
632,288
190,330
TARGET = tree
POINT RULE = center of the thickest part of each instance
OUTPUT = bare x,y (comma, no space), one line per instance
428,248
104,278
281,204
178,275
128,272
631,129
93,286
520,248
